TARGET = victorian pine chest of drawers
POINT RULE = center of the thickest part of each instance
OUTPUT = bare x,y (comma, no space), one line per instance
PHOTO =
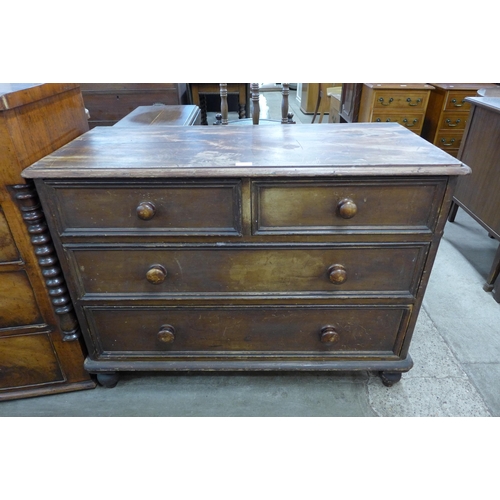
247,248
403,103
447,114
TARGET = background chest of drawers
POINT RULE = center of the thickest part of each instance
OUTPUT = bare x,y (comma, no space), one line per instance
260,248
109,102
35,308
447,114
403,103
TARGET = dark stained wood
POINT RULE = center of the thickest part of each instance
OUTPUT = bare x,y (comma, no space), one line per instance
108,103
478,194
260,248
35,309
161,115
350,99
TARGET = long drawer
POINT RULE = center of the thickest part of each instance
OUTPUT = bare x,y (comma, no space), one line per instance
248,269
172,331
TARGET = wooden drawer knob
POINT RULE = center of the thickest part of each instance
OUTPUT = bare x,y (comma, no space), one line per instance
337,274
347,208
329,335
156,274
166,334
146,210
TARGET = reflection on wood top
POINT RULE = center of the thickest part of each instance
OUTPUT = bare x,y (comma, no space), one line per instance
13,95
216,151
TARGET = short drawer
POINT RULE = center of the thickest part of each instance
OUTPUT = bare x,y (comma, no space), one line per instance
322,207
184,208
449,141
455,101
168,331
389,100
453,121
344,269
18,306
412,121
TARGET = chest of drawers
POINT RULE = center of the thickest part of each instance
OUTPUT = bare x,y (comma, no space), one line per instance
260,248
447,114
403,103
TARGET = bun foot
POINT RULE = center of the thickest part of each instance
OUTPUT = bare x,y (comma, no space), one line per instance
108,379
390,378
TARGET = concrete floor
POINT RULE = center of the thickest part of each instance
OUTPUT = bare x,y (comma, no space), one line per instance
456,351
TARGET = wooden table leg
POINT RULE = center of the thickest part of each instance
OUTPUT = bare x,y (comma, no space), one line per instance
453,212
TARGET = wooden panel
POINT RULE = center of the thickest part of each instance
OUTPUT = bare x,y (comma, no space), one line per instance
367,269
302,206
179,207
127,332
8,249
18,305
28,360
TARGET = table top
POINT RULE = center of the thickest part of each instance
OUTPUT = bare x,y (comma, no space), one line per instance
333,149
491,103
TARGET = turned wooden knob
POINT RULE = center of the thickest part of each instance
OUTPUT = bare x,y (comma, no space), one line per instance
156,274
337,274
329,334
347,208
146,210
166,333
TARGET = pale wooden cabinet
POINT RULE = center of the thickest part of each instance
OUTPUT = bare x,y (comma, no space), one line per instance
403,103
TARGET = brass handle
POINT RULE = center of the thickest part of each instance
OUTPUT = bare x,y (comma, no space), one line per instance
156,274
454,102
447,143
405,121
337,274
347,208
388,120
417,102
329,335
166,334
448,122
146,210
381,101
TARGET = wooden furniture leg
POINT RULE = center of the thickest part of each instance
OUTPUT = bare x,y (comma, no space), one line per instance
254,88
493,274
453,212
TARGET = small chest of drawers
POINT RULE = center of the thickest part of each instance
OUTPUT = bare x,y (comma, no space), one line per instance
260,248
447,114
403,103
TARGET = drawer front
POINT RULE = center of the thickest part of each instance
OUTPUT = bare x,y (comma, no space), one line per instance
8,249
28,360
412,121
453,121
136,332
449,141
18,305
389,100
361,269
184,208
322,207
455,101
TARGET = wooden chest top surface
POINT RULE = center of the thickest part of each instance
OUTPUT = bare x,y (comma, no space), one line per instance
330,149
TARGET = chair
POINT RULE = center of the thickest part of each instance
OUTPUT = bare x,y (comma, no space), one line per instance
286,116
318,104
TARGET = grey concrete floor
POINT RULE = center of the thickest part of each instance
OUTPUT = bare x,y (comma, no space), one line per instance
455,348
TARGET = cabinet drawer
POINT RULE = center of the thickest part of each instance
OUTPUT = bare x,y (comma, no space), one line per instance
322,207
361,269
412,121
185,208
388,100
136,332
453,121
455,101
449,140
18,306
